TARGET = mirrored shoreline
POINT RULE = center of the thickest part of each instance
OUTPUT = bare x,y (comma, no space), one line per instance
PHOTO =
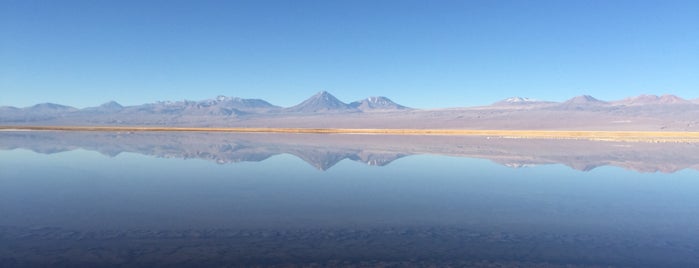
323,151
380,200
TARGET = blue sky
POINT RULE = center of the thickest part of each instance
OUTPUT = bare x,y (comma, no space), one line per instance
419,53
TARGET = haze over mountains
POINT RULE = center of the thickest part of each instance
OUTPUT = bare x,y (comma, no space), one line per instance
323,110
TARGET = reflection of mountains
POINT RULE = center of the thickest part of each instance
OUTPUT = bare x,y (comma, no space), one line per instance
324,151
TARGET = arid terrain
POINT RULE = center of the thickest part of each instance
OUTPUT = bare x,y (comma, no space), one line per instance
641,113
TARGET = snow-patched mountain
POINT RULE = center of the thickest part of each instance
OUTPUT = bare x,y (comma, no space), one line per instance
652,100
238,103
377,103
324,110
221,105
244,105
517,101
320,102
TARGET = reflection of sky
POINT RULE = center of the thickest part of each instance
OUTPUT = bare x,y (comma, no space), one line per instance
85,189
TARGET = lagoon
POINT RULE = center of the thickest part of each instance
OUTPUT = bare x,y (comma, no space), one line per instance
221,199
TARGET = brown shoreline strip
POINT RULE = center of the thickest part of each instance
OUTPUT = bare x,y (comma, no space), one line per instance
648,136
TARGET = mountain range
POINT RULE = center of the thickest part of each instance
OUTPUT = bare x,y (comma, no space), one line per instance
322,102
323,110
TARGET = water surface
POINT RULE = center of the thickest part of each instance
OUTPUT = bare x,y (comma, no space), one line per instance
192,199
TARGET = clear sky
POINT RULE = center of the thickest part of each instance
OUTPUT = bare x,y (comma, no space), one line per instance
419,53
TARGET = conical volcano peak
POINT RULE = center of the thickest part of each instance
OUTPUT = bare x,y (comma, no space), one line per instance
322,101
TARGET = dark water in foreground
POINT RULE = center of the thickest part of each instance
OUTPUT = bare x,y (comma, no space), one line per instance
193,200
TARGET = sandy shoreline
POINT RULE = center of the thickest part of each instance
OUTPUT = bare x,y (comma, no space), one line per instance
647,136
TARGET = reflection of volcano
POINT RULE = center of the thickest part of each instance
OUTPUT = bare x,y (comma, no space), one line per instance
324,159
323,151
377,159
320,159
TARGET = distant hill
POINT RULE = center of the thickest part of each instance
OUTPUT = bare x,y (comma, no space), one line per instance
377,103
49,108
107,107
652,100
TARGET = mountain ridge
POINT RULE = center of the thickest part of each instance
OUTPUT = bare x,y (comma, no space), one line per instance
377,103
323,110
646,99
642,99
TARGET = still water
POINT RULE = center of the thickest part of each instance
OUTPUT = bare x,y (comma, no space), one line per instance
199,199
